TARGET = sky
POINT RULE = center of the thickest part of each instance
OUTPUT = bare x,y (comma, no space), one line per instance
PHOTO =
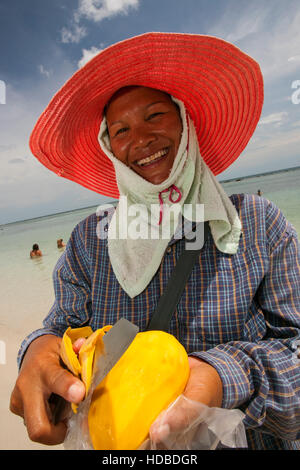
43,43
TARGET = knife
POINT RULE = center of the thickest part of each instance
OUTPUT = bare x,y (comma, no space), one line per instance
116,342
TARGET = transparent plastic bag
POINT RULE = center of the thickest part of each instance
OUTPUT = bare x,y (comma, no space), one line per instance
193,426
190,425
78,436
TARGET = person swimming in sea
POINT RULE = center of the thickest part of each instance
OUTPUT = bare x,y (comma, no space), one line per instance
60,243
35,251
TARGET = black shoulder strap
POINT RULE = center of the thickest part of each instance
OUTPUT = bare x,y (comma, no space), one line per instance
168,302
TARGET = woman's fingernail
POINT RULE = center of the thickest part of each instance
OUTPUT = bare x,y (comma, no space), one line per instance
76,392
78,344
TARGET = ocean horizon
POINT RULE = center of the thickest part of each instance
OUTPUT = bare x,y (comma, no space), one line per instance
113,201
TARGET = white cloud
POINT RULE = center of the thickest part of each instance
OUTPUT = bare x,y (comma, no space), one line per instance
283,142
73,34
294,58
23,180
233,26
272,40
88,54
280,149
97,10
274,118
43,71
249,24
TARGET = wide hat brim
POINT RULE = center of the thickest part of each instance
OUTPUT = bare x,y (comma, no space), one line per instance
221,87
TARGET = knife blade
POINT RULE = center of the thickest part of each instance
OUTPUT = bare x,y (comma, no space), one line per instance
116,342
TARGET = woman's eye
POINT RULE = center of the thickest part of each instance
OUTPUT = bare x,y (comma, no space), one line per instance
121,131
153,115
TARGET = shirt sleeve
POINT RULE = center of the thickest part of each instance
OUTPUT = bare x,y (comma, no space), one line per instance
262,377
71,280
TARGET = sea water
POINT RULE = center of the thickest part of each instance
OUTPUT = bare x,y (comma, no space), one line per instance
26,291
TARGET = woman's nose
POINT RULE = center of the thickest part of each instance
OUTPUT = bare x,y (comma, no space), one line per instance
142,137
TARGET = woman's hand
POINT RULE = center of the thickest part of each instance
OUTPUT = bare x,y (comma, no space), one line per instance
204,386
42,374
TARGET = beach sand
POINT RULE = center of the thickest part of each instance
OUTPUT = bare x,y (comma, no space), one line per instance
13,434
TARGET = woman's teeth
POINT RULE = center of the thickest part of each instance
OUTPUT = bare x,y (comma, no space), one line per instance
153,157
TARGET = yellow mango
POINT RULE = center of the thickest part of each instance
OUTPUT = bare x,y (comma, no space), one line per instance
151,374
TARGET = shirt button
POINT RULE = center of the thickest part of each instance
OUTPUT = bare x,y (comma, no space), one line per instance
169,249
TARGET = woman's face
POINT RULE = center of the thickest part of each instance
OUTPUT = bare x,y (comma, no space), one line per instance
145,130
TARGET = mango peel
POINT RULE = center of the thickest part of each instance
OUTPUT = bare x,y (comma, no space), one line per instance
82,366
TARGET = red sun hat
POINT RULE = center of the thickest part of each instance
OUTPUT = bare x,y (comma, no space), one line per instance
221,87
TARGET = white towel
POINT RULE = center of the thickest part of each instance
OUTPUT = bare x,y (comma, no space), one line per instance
136,260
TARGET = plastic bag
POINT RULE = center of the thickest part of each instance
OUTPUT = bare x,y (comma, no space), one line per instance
78,436
197,427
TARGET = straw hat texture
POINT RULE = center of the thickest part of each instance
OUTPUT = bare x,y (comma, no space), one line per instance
221,87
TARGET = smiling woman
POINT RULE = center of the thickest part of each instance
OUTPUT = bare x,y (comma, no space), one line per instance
145,130
154,114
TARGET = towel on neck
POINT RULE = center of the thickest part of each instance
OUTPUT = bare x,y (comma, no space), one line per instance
136,240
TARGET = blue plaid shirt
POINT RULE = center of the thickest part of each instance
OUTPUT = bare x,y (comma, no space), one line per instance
240,313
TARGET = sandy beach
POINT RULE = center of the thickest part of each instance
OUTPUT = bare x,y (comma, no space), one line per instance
26,296
13,434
